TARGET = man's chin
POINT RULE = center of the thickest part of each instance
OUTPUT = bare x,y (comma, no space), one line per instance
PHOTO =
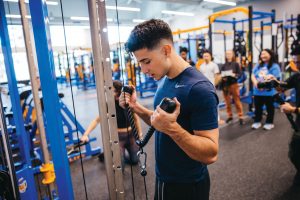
157,78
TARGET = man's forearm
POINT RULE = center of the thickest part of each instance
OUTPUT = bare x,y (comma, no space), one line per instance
199,148
143,113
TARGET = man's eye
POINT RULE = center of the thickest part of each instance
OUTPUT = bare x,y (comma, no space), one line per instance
147,62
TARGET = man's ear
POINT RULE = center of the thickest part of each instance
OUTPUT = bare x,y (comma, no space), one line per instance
167,49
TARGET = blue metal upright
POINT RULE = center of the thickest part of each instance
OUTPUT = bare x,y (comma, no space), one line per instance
24,174
40,24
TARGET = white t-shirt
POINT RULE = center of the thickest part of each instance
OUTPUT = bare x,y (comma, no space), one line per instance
209,70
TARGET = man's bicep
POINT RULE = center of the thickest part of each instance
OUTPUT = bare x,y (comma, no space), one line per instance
205,115
203,103
204,118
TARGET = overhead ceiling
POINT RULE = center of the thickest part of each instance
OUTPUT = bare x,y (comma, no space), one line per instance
148,9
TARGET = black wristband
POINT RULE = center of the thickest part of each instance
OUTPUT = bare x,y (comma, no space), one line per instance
296,110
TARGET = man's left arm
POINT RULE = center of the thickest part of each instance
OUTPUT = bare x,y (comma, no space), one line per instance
203,144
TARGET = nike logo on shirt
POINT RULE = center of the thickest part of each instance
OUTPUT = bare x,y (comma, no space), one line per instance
179,86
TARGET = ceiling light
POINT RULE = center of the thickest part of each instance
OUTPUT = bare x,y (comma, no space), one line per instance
13,16
123,8
79,18
17,16
109,20
177,13
12,1
228,3
138,20
52,3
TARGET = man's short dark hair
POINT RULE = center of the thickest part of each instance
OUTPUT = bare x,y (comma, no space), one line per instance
183,49
148,35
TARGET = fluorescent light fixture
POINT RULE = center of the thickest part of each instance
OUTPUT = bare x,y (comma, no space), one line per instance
12,1
228,3
170,12
17,16
109,20
123,8
79,18
52,3
138,20
13,16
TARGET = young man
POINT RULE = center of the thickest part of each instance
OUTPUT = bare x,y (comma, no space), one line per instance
294,146
211,71
186,140
184,53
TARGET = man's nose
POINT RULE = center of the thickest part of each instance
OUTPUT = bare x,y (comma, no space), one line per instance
144,69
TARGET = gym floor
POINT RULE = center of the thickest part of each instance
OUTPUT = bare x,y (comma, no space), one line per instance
252,164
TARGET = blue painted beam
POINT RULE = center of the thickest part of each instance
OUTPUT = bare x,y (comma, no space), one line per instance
288,26
54,130
268,14
254,18
224,21
25,173
270,23
280,21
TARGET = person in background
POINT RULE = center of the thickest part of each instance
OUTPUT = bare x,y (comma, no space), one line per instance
184,54
126,138
116,69
293,82
230,72
211,70
267,66
294,146
200,60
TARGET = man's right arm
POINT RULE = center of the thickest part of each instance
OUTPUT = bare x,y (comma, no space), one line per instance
142,112
131,101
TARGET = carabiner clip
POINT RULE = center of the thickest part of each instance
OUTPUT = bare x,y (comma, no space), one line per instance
142,165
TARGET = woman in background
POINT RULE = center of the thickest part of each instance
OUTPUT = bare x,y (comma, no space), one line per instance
126,138
267,66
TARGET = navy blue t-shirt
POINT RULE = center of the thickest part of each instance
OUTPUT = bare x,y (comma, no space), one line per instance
198,111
